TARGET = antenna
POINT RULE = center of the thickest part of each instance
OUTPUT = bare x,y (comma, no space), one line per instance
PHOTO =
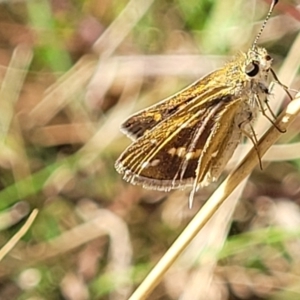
274,2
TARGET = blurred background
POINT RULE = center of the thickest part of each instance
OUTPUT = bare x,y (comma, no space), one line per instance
71,72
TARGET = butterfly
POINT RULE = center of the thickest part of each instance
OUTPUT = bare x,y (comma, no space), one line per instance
188,138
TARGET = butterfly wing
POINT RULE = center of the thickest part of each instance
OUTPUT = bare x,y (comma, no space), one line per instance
171,154
136,125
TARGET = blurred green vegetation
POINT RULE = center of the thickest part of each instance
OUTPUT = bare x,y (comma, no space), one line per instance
59,152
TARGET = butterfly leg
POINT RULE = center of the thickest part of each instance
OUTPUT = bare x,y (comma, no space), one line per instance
251,136
276,80
263,111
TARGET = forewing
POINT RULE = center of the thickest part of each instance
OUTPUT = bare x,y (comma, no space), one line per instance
145,120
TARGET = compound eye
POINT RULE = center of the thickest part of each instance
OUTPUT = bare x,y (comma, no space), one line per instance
268,57
252,69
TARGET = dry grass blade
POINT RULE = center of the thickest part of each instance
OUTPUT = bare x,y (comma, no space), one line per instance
216,200
12,84
13,241
119,29
60,94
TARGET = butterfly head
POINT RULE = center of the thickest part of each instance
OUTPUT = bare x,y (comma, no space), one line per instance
258,62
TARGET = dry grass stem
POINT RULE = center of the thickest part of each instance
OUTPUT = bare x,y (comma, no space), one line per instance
216,200
14,240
